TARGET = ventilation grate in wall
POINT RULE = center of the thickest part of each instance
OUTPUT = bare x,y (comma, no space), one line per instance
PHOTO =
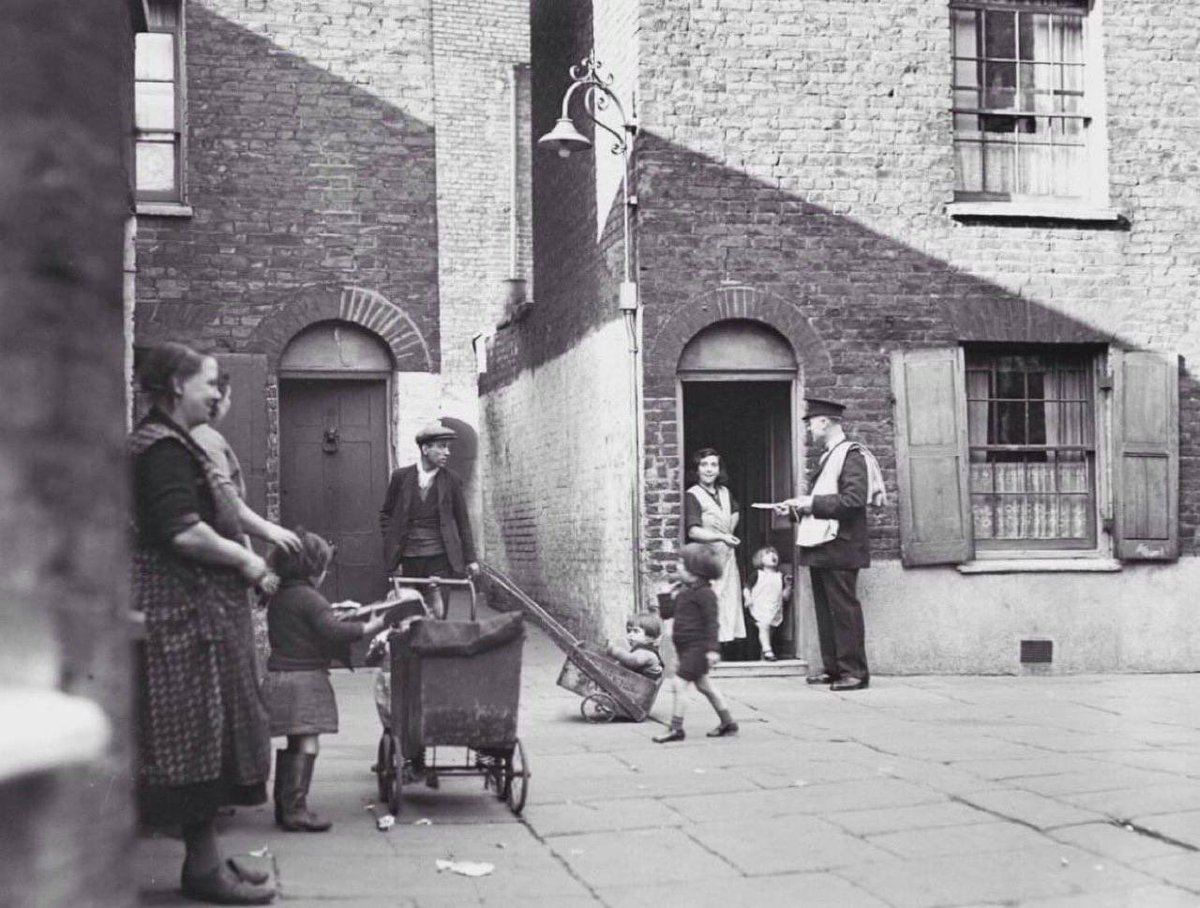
1034,652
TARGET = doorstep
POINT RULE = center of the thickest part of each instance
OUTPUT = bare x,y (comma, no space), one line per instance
778,669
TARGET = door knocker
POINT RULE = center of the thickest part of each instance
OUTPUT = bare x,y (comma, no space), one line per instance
329,443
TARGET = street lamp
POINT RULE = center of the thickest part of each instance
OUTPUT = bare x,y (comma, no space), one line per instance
564,138
594,86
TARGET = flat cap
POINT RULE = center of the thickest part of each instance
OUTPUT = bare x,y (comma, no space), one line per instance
435,431
816,407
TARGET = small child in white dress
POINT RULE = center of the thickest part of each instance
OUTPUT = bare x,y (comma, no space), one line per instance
765,596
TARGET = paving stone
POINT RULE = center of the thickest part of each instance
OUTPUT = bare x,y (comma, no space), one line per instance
1179,869
810,799
899,819
1113,841
785,891
1030,808
1008,877
1182,827
1139,897
1141,802
595,857
787,845
601,815
979,838
1099,779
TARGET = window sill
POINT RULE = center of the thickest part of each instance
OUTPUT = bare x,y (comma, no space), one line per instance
1041,566
46,730
164,210
1049,211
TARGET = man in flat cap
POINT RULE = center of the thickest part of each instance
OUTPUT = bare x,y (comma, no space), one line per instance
831,534
426,530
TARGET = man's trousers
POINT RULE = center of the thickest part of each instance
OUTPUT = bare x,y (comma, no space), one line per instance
840,622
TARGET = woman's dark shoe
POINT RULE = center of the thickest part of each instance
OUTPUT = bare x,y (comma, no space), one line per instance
223,886
725,728
845,684
672,734
768,656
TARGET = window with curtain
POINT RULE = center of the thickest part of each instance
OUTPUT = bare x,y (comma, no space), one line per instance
1020,118
158,104
1031,449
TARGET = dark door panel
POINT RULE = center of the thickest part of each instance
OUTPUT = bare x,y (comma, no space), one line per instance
334,472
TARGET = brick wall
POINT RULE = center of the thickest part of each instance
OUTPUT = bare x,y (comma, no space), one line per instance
804,150
64,128
557,503
310,165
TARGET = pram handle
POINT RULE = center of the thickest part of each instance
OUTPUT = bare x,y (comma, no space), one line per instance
399,580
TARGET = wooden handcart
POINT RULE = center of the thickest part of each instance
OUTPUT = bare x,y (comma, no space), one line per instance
609,690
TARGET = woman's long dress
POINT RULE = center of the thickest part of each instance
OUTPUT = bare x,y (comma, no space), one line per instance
717,514
202,725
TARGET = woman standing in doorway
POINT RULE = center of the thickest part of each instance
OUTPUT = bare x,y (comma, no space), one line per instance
710,514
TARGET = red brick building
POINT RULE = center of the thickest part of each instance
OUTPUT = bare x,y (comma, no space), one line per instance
976,223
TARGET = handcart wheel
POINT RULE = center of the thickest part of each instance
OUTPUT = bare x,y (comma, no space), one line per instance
598,708
385,768
516,778
397,774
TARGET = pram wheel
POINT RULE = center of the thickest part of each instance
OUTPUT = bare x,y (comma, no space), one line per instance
598,708
385,767
516,778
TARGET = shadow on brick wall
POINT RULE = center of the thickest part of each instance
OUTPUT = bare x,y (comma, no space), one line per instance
299,180
703,225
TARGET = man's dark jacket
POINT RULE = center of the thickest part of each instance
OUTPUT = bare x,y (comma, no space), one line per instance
395,517
851,548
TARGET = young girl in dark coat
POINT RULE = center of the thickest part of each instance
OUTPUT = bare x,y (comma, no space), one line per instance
305,637
695,611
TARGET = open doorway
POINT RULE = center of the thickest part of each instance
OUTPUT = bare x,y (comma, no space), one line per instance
750,424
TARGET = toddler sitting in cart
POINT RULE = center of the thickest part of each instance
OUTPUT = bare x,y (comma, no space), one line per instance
642,632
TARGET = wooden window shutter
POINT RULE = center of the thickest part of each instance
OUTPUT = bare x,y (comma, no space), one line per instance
931,456
1146,455
245,426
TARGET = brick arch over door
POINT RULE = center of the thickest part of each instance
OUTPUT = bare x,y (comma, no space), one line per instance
367,308
663,482
673,332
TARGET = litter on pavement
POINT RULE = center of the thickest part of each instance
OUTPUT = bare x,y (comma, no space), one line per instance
466,868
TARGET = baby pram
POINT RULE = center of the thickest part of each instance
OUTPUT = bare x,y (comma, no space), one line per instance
453,684
609,689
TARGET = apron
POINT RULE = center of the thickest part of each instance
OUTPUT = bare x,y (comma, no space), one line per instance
719,519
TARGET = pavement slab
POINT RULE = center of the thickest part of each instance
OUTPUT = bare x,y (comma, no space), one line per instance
597,858
785,891
786,845
1030,809
934,792
1115,841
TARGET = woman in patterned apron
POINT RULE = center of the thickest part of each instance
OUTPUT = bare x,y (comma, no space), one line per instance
710,514
202,726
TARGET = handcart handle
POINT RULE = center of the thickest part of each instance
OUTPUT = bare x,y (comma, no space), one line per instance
399,580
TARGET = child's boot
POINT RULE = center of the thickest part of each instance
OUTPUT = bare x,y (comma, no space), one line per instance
281,757
727,726
313,822
674,733
295,773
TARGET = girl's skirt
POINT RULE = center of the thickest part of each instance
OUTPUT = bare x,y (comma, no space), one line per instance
301,703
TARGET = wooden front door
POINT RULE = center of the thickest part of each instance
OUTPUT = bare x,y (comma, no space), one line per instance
334,472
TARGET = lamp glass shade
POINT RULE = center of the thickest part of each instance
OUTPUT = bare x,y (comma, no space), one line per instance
565,138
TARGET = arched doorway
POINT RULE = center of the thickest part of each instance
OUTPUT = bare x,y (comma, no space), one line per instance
737,393
333,448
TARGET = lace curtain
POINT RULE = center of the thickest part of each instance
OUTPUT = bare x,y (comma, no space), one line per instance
1042,494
